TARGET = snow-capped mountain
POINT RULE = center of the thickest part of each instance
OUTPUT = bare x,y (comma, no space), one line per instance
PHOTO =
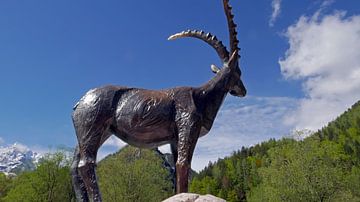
16,158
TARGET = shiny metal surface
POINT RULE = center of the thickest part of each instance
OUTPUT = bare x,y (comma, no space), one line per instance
149,118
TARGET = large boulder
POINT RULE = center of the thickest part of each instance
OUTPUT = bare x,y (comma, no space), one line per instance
190,197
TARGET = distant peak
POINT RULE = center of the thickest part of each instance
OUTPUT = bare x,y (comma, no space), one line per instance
17,158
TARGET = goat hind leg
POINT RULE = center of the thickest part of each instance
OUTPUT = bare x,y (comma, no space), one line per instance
174,151
88,147
77,181
87,167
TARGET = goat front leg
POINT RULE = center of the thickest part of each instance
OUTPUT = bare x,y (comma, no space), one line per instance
188,134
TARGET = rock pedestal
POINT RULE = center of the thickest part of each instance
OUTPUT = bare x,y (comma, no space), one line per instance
190,197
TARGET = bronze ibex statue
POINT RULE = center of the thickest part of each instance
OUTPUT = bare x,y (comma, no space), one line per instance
150,118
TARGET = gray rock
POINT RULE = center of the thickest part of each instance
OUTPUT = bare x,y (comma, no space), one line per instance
190,197
208,198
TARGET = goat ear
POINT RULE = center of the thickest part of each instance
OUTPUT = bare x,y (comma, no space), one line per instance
214,69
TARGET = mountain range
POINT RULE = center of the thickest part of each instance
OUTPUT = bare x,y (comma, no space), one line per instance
17,158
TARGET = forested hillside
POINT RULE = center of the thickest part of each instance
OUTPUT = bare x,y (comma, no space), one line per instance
134,175
322,167
128,175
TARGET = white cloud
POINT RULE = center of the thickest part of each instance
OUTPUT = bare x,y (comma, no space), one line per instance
111,145
243,122
324,54
326,3
2,141
276,9
114,141
20,147
41,149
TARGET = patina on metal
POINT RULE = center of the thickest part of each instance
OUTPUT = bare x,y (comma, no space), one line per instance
151,118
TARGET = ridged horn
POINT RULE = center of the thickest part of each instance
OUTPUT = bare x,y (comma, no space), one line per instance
206,37
234,42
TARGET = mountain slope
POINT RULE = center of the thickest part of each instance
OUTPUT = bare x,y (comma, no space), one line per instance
345,131
322,167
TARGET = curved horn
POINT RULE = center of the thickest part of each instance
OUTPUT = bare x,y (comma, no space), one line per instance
206,37
232,27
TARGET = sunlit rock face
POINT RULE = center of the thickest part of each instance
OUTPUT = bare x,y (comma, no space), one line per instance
191,197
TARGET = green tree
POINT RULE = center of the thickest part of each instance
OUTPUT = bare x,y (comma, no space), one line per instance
134,175
50,181
304,171
353,182
5,183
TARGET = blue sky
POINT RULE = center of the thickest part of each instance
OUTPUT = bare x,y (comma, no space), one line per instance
300,64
